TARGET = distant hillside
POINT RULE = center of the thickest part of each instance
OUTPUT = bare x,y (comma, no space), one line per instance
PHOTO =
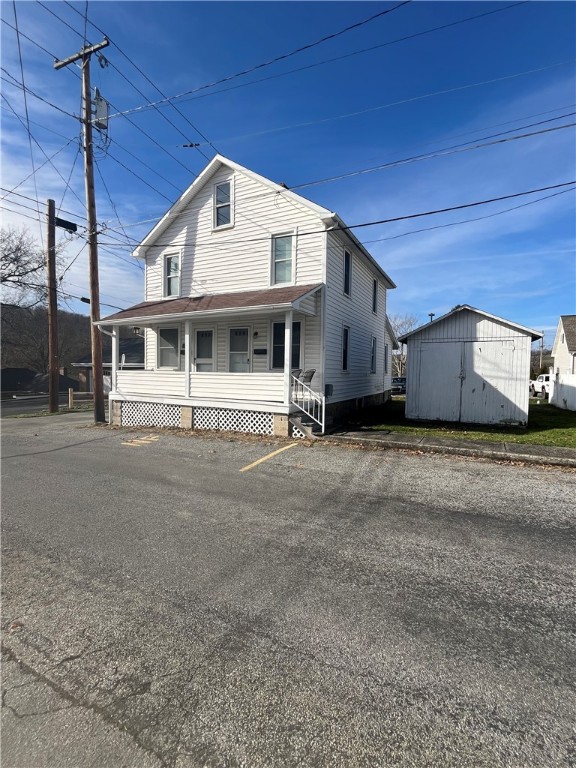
25,337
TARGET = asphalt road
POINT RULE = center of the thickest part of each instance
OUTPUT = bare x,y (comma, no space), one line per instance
329,606
32,404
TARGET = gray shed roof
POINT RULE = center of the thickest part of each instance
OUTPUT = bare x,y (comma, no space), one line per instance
466,307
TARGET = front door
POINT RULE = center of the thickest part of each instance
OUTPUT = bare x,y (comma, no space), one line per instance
239,350
204,360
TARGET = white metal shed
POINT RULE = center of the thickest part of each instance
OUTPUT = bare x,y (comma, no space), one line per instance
469,366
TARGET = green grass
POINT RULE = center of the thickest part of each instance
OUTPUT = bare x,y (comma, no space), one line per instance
547,425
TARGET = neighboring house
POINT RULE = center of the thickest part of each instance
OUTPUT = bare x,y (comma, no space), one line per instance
130,357
469,366
249,287
564,349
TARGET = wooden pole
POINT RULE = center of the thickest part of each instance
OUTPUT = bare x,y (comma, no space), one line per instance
53,372
96,336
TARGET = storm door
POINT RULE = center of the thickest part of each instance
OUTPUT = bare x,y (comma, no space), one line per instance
239,350
204,360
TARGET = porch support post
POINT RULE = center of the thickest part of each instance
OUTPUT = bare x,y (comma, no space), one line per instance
287,354
187,358
115,354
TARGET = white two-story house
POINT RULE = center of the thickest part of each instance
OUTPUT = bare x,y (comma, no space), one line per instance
261,306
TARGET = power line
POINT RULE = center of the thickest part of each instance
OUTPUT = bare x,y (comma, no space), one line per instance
406,217
316,64
468,221
32,93
48,159
27,126
441,153
32,200
401,102
458,148
123,75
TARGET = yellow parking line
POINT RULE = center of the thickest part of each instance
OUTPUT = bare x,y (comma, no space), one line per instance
269,456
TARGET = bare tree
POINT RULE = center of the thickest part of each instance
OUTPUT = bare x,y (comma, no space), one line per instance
21,261
401,324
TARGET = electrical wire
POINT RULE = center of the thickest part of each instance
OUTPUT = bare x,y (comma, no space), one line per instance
27,126
33,93
454,149
315,64
401,102
468,221
406,217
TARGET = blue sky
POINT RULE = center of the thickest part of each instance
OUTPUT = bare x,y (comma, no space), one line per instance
327,111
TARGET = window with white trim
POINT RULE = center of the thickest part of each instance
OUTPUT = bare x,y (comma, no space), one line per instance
373,355
282,260
168,348
347,273
223,208
386,353
172,275
345,347
278,337
375,296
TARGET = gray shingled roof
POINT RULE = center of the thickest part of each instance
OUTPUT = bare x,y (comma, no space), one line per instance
569,325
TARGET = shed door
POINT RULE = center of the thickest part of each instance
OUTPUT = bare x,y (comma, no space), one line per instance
439,383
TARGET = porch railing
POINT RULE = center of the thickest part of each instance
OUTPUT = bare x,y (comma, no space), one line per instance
309,402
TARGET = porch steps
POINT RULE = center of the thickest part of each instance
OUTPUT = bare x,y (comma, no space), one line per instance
306,425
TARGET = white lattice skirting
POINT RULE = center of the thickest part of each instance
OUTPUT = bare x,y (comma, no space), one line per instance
230,420
150,415
296,433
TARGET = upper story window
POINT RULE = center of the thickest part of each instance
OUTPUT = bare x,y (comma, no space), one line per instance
223,214
282,261
375,296
172,275
347,273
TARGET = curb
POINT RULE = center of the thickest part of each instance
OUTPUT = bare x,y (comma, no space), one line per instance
478,453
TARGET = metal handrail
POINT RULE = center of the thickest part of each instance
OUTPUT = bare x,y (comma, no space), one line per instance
309,402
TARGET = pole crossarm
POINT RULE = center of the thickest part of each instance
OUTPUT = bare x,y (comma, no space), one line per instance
86,51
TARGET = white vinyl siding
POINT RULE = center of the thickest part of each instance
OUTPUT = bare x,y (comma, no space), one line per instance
236,258
356,313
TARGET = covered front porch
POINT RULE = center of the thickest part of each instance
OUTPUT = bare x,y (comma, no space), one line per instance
241,366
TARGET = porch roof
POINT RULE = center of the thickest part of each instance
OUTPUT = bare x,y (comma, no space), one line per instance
285,298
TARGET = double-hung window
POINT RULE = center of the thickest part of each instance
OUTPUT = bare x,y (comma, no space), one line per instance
223,213
172,275
373,355
282,259
375,296
278,345
345,347
168,348
347,273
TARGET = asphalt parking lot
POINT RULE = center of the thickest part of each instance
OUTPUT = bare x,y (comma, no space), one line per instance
189,601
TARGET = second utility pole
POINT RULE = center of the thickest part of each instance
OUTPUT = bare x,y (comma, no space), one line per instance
96,336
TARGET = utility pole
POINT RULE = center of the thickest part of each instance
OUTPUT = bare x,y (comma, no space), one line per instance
96,336
53,373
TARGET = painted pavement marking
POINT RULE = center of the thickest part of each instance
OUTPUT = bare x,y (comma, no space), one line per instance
269,456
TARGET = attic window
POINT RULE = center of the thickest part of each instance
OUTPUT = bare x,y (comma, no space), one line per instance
223,205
